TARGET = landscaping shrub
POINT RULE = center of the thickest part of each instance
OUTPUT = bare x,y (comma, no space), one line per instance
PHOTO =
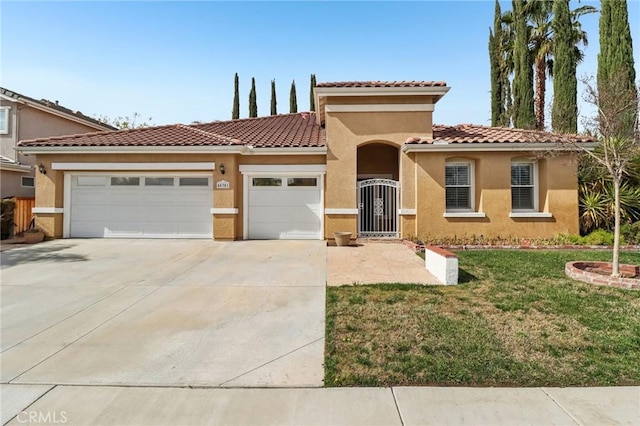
599,237
6,218
631,232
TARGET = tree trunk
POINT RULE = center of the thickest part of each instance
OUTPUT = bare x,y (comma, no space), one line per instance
541,82
615,265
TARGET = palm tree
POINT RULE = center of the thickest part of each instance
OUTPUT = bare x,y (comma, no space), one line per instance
541,47
541,43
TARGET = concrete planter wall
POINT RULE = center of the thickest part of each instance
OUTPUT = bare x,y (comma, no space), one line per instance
442,264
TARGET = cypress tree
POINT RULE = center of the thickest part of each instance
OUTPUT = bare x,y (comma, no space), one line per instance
564,114
616,65
253,104
235,112
293,102
523,109
312,99
605,42
274,107
495,56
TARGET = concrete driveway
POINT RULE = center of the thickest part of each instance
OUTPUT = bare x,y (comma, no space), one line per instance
164,312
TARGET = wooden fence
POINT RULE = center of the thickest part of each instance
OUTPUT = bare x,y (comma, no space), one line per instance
22,214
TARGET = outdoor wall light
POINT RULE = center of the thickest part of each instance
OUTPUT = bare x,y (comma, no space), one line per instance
41,169
222,168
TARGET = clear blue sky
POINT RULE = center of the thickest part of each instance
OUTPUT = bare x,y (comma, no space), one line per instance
175,61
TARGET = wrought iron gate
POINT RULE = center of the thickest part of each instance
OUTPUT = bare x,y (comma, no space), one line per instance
378,208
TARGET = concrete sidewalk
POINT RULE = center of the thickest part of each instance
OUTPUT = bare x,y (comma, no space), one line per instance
101,405
375,262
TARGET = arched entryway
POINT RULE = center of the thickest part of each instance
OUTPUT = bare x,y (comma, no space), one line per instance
378,190
378,160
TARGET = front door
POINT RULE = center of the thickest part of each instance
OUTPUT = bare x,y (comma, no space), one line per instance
378,208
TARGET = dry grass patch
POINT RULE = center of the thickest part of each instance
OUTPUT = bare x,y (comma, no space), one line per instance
517,321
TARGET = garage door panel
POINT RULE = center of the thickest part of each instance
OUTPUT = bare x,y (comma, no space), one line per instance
284,212
283,198
127,198
274,214
194,228
269,230
159,197
87,230
141,211
83,196
187,197
161,213
151,228
83,212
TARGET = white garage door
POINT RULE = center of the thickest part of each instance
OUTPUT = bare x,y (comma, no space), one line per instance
286,208
139,206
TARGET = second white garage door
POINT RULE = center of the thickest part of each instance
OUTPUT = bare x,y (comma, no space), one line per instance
139,206
284,207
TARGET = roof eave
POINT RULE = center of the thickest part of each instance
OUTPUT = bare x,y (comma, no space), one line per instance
234,149
303,150
498,146
228,149
20,168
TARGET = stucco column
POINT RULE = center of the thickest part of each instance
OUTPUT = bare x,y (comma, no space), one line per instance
225,186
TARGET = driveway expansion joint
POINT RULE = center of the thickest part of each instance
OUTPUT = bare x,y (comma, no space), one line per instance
222,385
578,422
395,401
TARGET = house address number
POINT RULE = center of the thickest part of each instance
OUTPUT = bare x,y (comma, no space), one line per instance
223,184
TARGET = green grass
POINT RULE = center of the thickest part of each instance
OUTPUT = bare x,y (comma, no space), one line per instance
515,320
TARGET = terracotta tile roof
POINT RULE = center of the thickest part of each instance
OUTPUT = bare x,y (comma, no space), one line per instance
286,130
383,84
280,131
472,133
55,106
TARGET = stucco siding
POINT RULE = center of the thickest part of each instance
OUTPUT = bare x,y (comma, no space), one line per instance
557,194
9,140
11,185
35,123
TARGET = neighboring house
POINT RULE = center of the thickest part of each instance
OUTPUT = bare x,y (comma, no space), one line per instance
368,161
22,117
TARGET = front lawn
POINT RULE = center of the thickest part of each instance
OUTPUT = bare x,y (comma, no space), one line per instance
515,320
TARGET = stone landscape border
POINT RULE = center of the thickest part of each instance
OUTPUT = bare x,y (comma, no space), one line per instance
576,270
420,247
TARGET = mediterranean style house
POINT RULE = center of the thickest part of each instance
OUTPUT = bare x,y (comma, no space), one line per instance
22,117
368,161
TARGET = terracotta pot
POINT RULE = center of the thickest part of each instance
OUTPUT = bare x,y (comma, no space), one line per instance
343,239
33,237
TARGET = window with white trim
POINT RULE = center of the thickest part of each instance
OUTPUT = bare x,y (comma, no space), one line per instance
459,186
4,120
523,186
